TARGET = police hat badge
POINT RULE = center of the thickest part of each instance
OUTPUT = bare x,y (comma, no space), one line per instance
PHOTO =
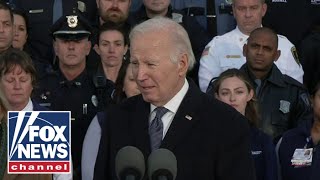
72,21
284,106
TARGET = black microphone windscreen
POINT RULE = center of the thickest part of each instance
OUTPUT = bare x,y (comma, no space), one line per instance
162,162
129,161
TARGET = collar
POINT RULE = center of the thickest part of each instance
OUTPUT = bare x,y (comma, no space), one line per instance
275,76
78,81
239,33
175,102
29,106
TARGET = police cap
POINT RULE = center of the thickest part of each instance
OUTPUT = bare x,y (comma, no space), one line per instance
71,27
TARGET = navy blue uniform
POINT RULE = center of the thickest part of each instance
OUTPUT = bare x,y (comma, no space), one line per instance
299,138
283,101
199,38
264,155
78,96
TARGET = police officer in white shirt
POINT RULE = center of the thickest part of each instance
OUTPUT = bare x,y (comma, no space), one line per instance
225,52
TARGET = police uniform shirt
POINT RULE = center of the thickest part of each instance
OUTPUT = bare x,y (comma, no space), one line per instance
78,96
226,51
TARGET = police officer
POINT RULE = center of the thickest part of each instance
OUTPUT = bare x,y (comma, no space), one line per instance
199,37
225,52
41,15
284,102
71,88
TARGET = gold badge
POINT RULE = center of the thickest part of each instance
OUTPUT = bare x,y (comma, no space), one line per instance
295,55
72,21
81,6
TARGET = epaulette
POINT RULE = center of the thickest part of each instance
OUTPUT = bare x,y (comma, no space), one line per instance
292,81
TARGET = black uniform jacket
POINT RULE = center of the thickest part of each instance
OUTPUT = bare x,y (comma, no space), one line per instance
283,102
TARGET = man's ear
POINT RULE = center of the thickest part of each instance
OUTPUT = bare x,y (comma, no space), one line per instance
183,63
277,55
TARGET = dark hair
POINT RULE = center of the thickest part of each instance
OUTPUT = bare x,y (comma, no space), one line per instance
15,57
6,7
251,111
22,13
118,94
111,26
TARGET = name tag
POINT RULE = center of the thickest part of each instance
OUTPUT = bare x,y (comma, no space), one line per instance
233,56
35,11
302,157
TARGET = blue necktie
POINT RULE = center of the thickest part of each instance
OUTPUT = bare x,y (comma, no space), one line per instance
156,128
57,10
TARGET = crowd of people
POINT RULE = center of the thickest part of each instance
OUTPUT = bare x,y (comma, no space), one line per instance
239,105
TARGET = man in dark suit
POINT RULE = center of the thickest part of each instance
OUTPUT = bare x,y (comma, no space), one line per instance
209,139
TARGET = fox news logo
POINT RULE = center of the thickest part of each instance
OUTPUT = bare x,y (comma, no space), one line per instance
39,142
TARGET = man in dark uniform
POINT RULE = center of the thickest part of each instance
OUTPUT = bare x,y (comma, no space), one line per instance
71,88
284,102
42,14
198,36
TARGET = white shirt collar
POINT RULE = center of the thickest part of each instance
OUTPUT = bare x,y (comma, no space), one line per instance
175,102
29,106
244,36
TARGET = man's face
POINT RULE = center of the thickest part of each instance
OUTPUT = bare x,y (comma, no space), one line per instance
116,11
157,6
158,78
248,14
6,30
261,51
72,53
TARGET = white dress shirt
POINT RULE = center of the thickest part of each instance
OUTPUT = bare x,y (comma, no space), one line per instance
172,106
226,52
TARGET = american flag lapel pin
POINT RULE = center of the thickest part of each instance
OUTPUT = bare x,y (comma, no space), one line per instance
188,117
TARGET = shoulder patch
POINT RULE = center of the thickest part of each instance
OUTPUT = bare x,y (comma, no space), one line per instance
205,51
295,55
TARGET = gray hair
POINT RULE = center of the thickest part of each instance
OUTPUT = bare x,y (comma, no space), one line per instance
177,33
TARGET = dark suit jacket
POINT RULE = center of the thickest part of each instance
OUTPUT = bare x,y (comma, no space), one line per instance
213,145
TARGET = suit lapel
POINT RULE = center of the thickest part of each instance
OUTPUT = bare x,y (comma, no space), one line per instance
184,119
140,123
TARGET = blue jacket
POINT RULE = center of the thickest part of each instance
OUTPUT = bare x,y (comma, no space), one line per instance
294,139
263,154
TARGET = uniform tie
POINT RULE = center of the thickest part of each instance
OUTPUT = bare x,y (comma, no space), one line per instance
258,83
57,10
156,128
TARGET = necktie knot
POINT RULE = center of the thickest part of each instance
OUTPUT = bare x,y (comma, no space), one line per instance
160,111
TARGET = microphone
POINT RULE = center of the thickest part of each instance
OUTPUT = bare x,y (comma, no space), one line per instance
162,165
129,164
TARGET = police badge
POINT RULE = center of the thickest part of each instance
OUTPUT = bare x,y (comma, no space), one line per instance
284,106
72,21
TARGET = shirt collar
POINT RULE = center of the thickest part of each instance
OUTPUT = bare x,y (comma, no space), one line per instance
175,102
29,106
